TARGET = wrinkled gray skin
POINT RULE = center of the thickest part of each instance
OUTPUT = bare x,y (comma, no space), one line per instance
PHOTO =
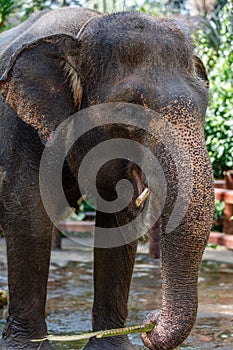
125,57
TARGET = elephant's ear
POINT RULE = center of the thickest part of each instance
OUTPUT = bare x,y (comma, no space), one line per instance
42,84
38,66
200,70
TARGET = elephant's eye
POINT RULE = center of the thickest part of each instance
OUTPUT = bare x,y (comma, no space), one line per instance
136,101
131,96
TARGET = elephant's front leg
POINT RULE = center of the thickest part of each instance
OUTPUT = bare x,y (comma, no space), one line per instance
113,269
28,238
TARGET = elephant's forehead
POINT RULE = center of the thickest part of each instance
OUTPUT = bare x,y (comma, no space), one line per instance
136,37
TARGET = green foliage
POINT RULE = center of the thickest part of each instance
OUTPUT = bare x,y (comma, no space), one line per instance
7,7
212,25
219,121
218,211
21,9
32,6
218,216
84,207
88,205
155,7
106,6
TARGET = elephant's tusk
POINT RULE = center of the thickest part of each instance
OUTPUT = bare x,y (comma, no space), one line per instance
143,197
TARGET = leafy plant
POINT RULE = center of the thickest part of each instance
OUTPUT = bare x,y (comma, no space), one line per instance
218,216
219,121
155,7
107,6
7,8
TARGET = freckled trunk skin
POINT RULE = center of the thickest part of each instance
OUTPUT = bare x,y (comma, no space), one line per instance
180,264
181,253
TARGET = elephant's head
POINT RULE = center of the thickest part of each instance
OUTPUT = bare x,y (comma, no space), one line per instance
49,73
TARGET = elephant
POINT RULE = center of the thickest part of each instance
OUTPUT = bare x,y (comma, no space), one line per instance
64,61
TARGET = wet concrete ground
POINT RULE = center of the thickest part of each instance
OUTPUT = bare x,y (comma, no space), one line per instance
70,295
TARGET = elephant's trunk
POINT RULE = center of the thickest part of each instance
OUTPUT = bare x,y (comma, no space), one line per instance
181,251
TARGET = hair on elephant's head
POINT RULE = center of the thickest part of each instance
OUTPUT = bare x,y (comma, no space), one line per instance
62,61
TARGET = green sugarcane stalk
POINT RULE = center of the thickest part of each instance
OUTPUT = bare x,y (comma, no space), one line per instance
100,334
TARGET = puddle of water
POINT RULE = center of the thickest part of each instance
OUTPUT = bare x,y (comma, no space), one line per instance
70,296
213,329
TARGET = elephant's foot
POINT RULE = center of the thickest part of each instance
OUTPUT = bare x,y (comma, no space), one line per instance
16,336
10,344
111,343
